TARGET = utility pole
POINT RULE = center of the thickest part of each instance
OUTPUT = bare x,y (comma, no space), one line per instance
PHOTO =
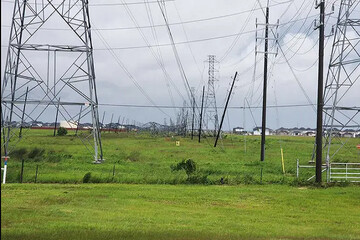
223,116
56,117
201,112
320,101
23,113
263,125
110,126
102,121
193,118
78,123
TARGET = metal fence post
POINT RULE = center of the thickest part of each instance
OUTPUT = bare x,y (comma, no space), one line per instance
297,168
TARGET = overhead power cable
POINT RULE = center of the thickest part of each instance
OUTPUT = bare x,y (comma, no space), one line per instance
169,44
152,51
97,4
131,77
190,107
178,60
292,70
171,24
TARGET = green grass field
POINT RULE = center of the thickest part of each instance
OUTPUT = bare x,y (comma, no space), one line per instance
146,159
127,211
145,199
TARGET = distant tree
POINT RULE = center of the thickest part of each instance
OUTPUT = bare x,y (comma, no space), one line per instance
62,131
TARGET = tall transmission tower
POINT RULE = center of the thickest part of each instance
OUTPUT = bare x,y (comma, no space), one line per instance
211,107
341,111
48,73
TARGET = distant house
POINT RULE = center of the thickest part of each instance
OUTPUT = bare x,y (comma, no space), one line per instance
86,125
296,132
36,124
239,130
257,131
348,134
68,124
282,132
309,133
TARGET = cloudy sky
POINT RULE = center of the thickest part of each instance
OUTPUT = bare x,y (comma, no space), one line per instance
135,62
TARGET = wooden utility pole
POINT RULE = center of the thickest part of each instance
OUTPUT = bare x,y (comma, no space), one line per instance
201,112
223,116
56,117
23,113
320,101
263,125
193,118
78,123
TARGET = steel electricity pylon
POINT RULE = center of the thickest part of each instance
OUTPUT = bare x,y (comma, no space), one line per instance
50,72
210,102
341,91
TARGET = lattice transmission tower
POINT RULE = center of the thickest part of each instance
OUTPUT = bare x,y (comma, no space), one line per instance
210,102
50,73
341,92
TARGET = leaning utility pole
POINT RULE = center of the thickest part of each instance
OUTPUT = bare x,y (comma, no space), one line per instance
226,105
320,100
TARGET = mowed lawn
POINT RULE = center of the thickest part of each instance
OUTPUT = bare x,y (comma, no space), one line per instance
119,211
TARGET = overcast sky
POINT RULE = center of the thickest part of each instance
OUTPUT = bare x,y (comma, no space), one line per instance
210,27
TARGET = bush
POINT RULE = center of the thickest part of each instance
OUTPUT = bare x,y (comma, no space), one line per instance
189,166
198,179
87,177
36,153
62,131
19,153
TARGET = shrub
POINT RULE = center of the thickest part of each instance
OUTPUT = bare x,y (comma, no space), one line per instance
19,153
198,179
87,177
36,153
188,165
62,131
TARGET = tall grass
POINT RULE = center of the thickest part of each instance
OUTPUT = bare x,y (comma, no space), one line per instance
144,158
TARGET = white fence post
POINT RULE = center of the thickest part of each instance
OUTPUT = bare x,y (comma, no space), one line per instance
297,168
5,168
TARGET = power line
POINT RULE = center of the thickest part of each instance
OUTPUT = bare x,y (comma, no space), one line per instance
171,24
190,107
98,4
168,44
